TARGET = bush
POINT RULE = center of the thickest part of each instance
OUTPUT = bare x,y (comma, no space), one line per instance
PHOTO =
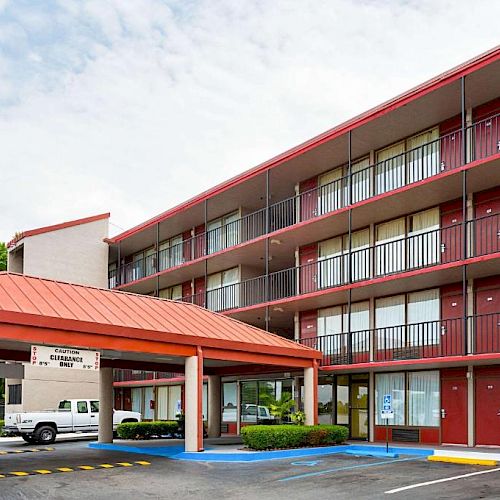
269,437
2,423
147,430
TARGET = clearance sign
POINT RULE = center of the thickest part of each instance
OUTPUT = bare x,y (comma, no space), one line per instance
64,357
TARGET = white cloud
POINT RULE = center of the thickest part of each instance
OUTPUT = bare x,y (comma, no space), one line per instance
135,106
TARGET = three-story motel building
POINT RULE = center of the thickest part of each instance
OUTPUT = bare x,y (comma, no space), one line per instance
377,242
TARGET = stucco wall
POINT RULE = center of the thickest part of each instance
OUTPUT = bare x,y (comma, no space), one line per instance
76,254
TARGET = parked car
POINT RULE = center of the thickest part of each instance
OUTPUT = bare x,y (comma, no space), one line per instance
72,415
248,414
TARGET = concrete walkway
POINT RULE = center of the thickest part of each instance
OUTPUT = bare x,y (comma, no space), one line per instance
70,436
231,449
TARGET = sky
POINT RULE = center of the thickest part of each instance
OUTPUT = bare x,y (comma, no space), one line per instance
134,106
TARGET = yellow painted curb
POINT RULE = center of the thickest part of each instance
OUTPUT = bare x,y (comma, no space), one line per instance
459,460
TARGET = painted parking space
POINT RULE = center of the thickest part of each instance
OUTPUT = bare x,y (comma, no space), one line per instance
78,468
28,450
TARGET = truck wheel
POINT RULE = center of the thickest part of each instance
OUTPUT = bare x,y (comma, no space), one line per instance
29,439
45,434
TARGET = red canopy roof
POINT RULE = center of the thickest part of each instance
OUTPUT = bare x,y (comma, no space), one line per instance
38,302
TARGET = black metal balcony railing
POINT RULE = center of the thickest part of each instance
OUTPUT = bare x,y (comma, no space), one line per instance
478,334
443,154
407,253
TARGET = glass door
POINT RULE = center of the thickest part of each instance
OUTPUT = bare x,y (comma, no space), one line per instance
358,407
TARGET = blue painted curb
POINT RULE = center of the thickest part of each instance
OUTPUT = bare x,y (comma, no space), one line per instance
178,453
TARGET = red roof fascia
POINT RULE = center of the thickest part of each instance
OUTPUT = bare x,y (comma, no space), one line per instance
445,78
57,227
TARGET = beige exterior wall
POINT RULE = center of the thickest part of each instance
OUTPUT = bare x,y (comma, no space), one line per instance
76,254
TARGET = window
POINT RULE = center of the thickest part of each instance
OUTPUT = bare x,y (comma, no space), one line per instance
222,290
82,407
423,399
423,238
65,405
393,384
112,274
333,260
137,266
170,252
15,394
390,247
415,397
390,168
334,321
172,292
230,402
223,232
331,190
361,180
408,161
408,320
408,243
94,407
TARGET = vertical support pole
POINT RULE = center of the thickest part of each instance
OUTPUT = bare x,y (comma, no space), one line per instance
119,269
157,259
310,394
214,405
105,433
371,407
193,433
349,237
464,212
238,407
266,253
205,207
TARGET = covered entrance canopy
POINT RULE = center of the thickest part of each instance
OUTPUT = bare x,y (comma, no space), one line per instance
137,331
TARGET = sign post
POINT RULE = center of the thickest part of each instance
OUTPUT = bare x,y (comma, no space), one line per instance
64,357
387,413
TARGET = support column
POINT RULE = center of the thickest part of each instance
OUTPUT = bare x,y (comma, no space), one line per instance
105,405
371,407
214,405
193,433
471,424
310,394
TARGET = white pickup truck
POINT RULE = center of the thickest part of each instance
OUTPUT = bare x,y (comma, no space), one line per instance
72,415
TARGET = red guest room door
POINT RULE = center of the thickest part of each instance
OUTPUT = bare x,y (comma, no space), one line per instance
488,406
453,407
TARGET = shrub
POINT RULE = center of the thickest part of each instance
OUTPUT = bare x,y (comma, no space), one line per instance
2,423
147,430
268,437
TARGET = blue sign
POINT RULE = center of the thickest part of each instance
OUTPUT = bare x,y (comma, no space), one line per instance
387,405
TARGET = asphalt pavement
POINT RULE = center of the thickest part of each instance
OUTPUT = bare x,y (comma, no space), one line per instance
70,470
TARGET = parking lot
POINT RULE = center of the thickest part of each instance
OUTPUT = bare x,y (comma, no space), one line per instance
72,470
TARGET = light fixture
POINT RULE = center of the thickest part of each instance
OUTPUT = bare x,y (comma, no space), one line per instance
276,242
278,309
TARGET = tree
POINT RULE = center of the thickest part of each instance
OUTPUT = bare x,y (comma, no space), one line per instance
3,256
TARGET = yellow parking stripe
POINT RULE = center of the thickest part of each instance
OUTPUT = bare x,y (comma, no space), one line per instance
72,469
30,450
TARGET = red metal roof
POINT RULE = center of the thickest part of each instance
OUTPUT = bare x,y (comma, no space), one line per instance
394,103
26,300
56,227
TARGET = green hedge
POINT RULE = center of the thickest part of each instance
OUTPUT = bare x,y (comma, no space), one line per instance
269,437
147,430
2,423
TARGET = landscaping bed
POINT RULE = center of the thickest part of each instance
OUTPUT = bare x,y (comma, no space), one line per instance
279,437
